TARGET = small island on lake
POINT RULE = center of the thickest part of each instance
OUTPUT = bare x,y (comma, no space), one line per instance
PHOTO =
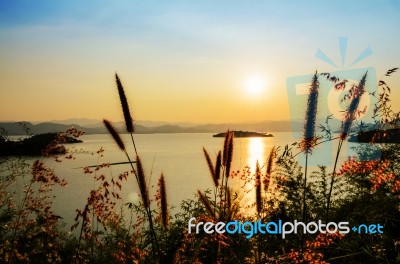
244,134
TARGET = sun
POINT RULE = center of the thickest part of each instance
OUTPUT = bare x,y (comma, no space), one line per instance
254,85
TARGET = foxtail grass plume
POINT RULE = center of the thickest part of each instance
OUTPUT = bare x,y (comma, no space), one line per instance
142,183
352,108
225,152
311,114
228,152
125,105
210,167
258,188
163,201
114,133
270,162
218,168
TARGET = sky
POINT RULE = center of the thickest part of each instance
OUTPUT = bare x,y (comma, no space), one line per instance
182,61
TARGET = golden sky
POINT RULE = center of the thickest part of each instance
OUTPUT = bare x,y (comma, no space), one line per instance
196,61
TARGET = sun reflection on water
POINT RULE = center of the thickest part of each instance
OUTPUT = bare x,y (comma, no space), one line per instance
255,152
251,150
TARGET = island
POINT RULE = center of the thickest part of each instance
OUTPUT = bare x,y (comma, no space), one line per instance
244,134
377,136
36,145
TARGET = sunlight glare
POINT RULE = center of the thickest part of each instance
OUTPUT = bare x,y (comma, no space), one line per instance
254,85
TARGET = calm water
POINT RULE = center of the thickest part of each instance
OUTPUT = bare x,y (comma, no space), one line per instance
178,156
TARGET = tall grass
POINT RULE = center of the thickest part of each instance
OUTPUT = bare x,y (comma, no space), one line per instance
139,170
258,189
163,202
355,94
221,188
309,138
211,168
268,170
125,110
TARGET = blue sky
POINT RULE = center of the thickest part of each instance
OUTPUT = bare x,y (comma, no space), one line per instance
178,55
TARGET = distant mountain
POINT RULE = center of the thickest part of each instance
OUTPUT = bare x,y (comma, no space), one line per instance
93,123
24,128
20,128
148,123
85,122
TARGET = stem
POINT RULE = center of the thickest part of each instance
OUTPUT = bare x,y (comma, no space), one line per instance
226,192
215,203
130,223
227,172
148,210
220,198
304,201
216,244
81,232
134,146
332,180
304,189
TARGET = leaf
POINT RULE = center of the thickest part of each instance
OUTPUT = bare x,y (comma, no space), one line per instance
389,72
381,83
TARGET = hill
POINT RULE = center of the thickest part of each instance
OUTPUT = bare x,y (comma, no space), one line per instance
24,128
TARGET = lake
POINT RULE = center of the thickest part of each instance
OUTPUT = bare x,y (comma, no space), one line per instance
178,156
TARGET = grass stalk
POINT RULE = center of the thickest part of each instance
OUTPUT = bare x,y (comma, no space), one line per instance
227,162
355,93
258,189
211,167
124,105
138,172
163,202
332,180
309,138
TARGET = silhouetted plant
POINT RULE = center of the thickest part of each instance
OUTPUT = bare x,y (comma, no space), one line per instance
163,202
139,171
355,94
309,139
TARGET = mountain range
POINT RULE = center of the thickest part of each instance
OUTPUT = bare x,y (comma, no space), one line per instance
91,126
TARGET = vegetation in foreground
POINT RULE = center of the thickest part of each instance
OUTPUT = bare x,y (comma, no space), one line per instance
359,191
